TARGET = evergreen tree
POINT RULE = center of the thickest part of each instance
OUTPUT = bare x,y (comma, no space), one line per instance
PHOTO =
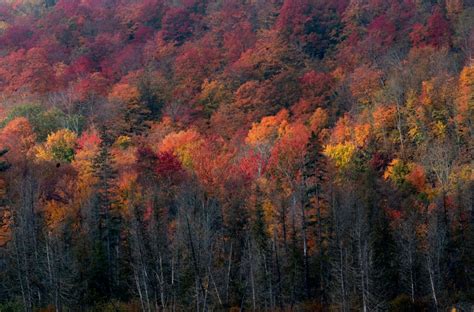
136,115
386,278
4,165
259,227
109,219
150,98
314,175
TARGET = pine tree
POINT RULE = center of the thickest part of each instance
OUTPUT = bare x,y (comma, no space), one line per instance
314,175
261,256
385,264
150,97
136,115
109,222
4,221
259,227
4,165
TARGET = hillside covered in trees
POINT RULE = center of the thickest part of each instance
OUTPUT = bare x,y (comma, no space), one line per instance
236,155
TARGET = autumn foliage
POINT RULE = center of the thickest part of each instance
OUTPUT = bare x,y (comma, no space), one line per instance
301,155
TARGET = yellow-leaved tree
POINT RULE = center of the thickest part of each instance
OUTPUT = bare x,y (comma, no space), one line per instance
465,102
342,153
182,144
59,146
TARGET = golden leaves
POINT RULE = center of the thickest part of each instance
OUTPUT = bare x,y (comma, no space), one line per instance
341,153
124,92
268,129
400,172
59,146
182,144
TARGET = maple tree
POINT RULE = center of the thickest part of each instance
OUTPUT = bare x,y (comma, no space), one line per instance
366,83
177,25
182,144
18,137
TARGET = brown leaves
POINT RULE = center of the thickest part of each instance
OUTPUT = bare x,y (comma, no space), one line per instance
365,83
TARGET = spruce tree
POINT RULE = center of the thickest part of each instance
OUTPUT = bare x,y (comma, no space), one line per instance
108,231
136,115
4,165
314,175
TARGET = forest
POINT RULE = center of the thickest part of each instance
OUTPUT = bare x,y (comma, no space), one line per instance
236,155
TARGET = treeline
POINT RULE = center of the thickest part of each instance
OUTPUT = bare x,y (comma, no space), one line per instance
233,155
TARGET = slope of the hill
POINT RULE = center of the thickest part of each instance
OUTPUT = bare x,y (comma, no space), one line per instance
208,155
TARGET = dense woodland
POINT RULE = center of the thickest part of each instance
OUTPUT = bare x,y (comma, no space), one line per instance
236,155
